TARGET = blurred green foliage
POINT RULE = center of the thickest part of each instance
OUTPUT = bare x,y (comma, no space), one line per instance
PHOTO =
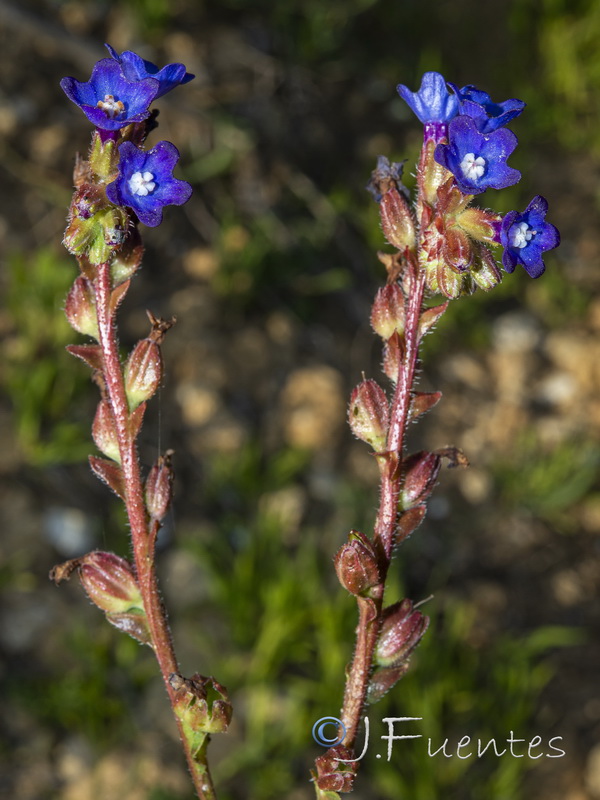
43,383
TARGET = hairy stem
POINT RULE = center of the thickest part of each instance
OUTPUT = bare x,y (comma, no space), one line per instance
370,610
143,539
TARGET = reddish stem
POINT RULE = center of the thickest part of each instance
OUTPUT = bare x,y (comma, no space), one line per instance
370,610
143,539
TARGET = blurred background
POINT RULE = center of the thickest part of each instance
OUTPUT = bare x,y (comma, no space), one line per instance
270,270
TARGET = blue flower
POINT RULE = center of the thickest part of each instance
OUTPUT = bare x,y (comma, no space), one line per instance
135,68
110,100
145,182
526,236
488,116
477,161
433,102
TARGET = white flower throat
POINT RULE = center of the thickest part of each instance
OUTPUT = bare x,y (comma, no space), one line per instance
142,183
520,235
472,167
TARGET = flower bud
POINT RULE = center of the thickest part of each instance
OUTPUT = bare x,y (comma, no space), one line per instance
387,314
486,273
356,565
159,487
420,474
401,631
143,372
103,159
397,220
368,414
201,704
109,582
87,201
127,259
80,308
104,432
481,225
457,250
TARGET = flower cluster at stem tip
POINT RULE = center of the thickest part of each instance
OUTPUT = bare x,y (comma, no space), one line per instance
117,100
468,137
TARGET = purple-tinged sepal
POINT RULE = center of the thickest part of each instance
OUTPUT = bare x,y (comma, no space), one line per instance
104,432
80,308
401,631
477,161
368,414
388,312
136,68
485,272
488,116
526,236
420,472
110,583
145,182
158,490
110,100
357,566
202,705
336,771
